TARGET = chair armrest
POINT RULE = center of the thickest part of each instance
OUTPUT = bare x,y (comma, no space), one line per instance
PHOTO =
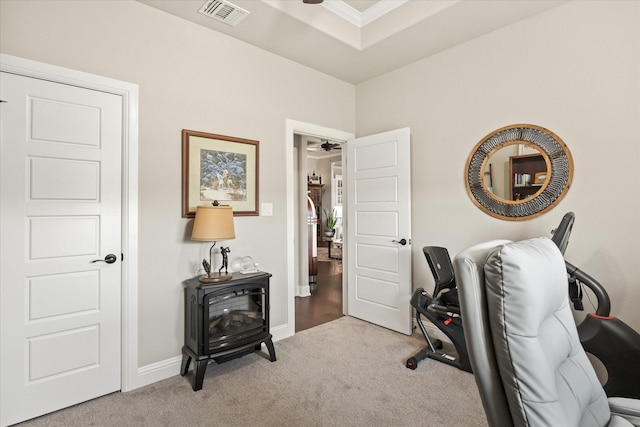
628,409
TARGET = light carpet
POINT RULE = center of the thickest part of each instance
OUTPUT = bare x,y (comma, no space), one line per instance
343,373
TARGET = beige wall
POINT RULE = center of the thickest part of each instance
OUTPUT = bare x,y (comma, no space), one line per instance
189,78
574,70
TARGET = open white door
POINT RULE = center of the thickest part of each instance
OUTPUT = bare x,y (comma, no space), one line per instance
60,252
379,229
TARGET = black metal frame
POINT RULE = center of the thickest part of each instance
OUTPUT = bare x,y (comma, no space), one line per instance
442,310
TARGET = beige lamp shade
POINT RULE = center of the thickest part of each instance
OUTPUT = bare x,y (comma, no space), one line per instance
213,223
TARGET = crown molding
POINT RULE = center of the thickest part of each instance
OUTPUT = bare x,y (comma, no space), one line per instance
360,19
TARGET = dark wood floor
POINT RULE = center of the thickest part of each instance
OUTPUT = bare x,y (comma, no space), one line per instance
325,302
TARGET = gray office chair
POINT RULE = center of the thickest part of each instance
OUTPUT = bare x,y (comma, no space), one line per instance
522,340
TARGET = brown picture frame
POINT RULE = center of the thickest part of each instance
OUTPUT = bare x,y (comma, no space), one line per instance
540,177
219,167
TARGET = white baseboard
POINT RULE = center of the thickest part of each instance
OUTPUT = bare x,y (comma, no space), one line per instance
168,368
158,371
281,332
304,290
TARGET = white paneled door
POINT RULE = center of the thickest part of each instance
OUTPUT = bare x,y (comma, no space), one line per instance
379,229
60,252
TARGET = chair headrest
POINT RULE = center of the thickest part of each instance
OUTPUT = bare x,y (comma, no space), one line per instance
530,278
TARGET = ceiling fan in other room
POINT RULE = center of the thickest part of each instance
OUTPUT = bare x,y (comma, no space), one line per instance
322,145
328,146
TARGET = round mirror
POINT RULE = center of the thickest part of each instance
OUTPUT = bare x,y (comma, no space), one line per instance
518,172
515,172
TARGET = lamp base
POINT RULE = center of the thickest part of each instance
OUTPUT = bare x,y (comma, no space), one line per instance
215,277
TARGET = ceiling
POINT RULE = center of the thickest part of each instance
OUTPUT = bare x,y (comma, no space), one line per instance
356,40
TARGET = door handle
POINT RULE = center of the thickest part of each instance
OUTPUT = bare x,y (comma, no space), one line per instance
401,241
109,259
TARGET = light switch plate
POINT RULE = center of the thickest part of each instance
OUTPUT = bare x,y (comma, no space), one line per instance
267,209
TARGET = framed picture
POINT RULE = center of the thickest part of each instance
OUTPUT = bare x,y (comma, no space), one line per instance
527,149
540,177
222,168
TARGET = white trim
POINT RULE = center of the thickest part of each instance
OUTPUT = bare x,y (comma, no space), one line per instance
295,127
129,92
344,11
158,371
304,290
279,333
380,9
360,19
168,368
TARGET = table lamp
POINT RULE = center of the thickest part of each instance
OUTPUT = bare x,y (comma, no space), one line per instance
212,224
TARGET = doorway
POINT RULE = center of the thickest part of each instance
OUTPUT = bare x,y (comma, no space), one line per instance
324,234
325,302
297,231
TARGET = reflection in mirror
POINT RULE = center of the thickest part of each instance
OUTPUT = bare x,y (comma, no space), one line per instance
515,172
518,172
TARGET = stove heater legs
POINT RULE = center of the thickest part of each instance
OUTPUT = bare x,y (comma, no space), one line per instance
201,361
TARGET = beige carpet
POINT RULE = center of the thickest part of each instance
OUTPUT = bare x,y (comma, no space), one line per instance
343,373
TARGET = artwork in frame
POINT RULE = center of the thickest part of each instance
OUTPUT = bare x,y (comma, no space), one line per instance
527,149
222,168
540,177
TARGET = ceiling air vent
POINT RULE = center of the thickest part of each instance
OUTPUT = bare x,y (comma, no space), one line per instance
223,11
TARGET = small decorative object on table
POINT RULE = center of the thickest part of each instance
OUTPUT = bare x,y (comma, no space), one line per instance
248,266
245,265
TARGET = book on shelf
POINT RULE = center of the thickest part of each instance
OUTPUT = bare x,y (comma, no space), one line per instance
522,180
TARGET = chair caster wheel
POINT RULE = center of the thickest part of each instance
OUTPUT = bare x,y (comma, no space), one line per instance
412,363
